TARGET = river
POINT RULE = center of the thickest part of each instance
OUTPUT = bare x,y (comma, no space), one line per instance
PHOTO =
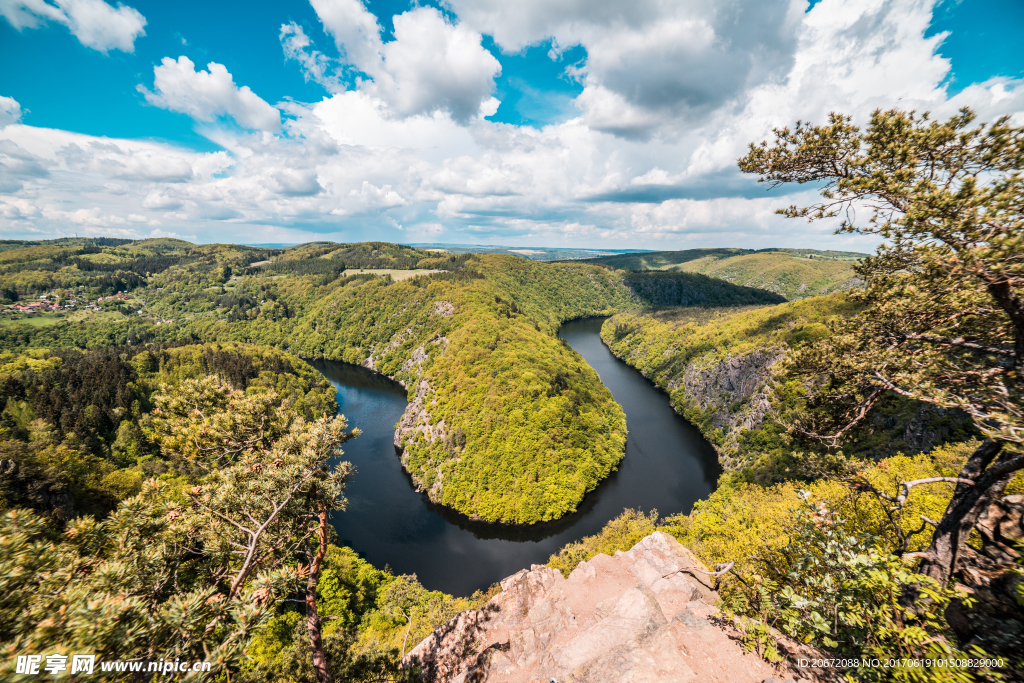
668,466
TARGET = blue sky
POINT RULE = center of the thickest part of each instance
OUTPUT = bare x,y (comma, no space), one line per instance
597,123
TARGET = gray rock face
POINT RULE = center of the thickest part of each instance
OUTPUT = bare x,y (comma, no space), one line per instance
735,393
416,420
647,615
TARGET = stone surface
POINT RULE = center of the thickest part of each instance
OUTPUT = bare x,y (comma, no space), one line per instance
995,621
647,615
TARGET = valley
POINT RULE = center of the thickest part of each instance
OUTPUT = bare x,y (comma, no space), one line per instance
791,273
509,412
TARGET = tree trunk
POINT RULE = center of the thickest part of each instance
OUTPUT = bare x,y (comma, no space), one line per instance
316,644
407,631
962,513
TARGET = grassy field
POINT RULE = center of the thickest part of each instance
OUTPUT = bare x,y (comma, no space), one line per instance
35,320
794,277
44,319
793,273
396,275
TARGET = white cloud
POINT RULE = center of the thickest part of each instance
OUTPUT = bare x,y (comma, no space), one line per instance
431,65
92,217
157,232
18,166
96,24
628,172
158,201
206,95
10,111
315,64
110,160
295,182
651,63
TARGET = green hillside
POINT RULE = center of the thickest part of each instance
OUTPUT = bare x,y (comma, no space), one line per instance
506,423
724,370
791,273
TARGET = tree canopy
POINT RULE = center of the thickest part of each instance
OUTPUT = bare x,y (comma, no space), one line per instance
943,320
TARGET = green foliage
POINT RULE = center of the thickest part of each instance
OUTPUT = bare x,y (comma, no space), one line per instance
370,617
74,421
720,366
944,317
622,533
345,661
192,580
692,289
792,273
833,588
740,520
676,347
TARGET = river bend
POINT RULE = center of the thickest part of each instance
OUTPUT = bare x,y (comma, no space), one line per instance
668,466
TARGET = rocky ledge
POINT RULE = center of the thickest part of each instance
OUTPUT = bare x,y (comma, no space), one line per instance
647,615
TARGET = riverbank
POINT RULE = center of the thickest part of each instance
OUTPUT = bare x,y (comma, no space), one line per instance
667,466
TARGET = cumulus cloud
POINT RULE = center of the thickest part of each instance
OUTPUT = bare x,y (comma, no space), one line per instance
295,182
109,160
649,62
10,111
632,170
96,24
92,217
206,95
159,201
18,166
431,65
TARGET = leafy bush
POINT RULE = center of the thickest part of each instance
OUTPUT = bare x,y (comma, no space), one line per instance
840,590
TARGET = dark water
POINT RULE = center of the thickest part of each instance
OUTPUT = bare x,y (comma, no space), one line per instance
668,466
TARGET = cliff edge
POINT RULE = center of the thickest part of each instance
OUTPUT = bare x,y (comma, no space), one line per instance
647,615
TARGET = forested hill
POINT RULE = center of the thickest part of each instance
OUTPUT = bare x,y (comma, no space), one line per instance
792,273
724,370
505,422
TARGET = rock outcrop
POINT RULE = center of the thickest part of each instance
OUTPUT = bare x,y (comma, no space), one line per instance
647,615
735,393
995,620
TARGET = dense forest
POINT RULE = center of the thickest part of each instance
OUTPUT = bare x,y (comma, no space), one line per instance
726,371
505,424
73,429
105,454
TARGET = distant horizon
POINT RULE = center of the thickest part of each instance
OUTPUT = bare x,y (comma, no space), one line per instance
442,245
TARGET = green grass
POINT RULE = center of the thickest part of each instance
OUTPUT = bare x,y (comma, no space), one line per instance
396,275
792,273
792,276
34,320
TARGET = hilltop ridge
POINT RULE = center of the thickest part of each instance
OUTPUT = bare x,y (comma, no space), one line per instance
793,273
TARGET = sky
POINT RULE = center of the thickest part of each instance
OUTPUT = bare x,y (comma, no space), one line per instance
560,123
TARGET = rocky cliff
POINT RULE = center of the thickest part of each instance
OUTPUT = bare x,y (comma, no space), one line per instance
731,395
722,369
416,420
647,615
